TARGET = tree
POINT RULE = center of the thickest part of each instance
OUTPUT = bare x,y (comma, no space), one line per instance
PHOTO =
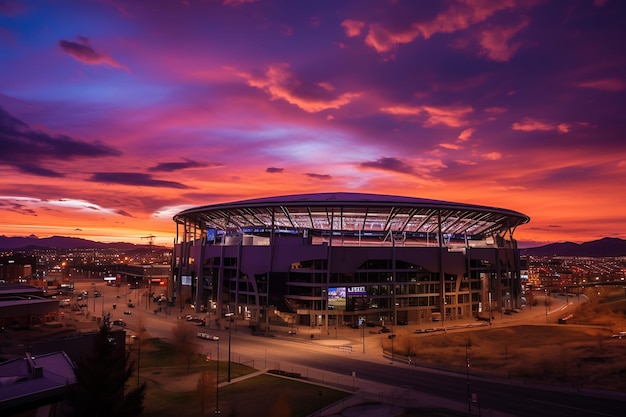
102,378
183,337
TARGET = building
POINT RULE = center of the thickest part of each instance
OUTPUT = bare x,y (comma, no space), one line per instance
322,260
22,306
34,382
16,268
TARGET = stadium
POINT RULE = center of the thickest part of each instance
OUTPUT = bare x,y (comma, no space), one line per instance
331,259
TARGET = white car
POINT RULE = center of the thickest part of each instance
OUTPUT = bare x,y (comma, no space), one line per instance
620,335
207,336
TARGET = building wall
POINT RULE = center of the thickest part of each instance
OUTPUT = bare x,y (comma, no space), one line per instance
236,277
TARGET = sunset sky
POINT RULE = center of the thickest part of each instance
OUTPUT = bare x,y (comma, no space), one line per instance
117,114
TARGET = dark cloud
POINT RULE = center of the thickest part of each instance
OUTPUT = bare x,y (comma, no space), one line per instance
83,52
27,149
135,179
388,164
319,176
17,208
123,213
39,171
272,170
178,166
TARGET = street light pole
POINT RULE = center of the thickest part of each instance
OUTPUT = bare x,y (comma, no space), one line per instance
363,330
467,359
230,325
217,380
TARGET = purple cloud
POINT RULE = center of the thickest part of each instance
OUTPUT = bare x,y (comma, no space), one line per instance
323,177
134,179
84,53
388,164
178,166
27,149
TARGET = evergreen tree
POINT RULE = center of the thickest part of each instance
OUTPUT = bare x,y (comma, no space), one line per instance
102,378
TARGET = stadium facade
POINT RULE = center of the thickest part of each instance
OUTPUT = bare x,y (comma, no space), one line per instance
324,260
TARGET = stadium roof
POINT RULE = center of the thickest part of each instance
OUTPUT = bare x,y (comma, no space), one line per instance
356,212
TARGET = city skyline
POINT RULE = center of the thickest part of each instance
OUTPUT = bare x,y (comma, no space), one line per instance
115,116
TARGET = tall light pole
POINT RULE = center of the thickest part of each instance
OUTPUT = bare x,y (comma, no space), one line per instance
230,325
468,346
217,380
363,331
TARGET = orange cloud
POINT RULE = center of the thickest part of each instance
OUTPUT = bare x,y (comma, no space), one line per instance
352,27
326,86
463,15
279,83
458,16
450,146
608,84
496,42
529,125
465,135
492,156
448,116
383,40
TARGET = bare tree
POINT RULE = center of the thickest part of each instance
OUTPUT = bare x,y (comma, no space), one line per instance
184,336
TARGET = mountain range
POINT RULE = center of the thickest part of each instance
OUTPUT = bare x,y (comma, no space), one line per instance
607,246
58,242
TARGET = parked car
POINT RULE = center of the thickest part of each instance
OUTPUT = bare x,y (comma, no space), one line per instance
620,335
119,322
207,336
128,312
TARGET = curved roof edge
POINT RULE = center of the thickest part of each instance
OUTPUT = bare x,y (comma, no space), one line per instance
351,199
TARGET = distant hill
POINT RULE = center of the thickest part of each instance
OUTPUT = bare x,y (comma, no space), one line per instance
58,242
607,246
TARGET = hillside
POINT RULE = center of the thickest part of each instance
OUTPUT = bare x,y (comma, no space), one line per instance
57,242
609,247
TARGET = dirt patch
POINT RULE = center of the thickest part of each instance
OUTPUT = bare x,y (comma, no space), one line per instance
554,354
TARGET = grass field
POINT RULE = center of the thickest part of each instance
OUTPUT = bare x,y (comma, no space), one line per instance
172,390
